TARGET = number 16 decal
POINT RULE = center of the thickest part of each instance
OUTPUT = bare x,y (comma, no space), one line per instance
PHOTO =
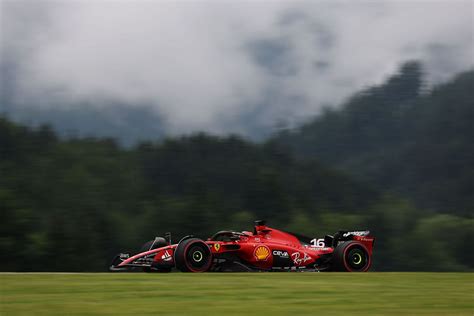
318,243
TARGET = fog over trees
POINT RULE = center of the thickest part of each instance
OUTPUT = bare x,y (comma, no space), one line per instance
395,158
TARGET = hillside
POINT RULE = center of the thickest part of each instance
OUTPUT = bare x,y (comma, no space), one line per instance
91,194
84,200
400,138
126,123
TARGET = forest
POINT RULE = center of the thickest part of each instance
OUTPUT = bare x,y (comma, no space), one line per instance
396,159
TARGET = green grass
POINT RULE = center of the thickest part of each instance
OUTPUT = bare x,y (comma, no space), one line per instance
240,294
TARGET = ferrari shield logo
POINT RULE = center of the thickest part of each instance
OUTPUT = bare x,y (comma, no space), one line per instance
217,247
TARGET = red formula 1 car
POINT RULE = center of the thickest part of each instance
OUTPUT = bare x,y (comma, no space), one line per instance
264,249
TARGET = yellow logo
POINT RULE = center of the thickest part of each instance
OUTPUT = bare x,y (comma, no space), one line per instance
261,253
217,247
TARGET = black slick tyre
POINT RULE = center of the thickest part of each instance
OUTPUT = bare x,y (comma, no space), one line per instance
351,256
193,255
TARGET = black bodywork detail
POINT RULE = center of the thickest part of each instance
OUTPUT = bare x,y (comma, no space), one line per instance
323,263
232,247
281,258
226,235
329,241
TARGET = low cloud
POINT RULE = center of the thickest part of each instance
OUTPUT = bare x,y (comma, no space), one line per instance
225,66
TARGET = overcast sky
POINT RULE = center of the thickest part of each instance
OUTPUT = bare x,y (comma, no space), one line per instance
213,65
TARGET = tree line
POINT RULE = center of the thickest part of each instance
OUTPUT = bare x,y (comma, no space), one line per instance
71,205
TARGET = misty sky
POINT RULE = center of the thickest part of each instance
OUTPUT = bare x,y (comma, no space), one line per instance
217,65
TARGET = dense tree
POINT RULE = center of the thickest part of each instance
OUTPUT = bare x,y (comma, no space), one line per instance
419,146
83,199
72,204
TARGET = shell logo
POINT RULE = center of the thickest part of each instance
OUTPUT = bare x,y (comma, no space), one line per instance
262,253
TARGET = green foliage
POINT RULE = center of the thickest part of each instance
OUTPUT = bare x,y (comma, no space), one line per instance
72,205
447,242
418,145
84,200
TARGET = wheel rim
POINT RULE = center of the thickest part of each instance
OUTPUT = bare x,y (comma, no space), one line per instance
198,257
357,259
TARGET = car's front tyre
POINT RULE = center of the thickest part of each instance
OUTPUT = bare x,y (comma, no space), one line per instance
193,255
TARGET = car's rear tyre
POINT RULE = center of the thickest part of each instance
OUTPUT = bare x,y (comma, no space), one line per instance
351,256
193,255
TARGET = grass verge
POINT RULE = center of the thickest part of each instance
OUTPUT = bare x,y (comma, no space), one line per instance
237,294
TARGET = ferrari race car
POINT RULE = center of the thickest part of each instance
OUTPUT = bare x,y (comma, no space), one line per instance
264,249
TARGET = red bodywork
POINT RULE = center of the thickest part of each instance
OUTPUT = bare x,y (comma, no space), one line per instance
264,249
